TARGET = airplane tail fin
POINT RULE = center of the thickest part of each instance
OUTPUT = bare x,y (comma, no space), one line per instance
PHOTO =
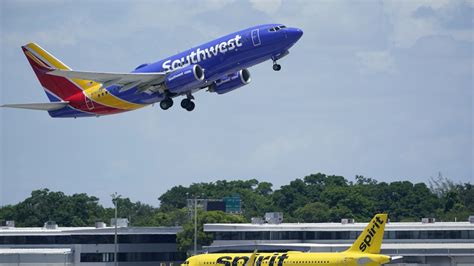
370,240
57,89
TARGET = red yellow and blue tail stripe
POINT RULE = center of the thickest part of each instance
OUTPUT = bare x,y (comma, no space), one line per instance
86,98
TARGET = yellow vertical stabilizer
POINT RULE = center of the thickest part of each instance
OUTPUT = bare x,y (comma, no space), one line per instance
370,240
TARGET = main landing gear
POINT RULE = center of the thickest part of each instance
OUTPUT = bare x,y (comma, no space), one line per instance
187,104
166,103
276,66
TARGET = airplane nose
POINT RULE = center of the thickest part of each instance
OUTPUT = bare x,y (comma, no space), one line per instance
294,33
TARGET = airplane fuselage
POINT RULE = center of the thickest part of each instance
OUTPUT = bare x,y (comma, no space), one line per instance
292,258
364,251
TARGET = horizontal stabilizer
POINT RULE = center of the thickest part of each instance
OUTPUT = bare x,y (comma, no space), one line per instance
38,106
107,79
396,258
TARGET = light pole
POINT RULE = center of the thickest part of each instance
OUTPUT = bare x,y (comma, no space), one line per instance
115,198
195,225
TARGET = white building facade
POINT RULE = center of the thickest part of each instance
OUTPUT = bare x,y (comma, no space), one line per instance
433,243
89,246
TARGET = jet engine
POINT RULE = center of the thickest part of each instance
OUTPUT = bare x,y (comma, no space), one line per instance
184,78
231,82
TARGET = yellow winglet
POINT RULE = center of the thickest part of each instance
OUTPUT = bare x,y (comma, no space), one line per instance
251,261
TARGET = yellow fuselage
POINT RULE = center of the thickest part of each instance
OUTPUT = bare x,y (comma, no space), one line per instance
287,259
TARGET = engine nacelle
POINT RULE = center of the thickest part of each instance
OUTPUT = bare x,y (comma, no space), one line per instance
231,82
184,78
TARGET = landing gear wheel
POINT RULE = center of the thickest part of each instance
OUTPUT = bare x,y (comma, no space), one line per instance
187,104
166,103
276,67
191,106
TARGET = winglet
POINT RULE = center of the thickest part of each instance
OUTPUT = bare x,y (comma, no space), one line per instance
370,240
251,261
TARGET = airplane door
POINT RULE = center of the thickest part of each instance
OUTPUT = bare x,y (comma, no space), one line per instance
344,262
256,37
89,103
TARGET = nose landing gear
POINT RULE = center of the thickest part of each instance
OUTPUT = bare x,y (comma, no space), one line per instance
276,66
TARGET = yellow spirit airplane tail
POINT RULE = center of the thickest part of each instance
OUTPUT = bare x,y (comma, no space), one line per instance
370,240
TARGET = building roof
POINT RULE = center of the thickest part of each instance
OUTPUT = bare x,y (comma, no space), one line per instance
23,251
392,248
394,226
390,245
24,231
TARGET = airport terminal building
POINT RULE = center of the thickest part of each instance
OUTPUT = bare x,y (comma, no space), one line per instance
420,243
92,246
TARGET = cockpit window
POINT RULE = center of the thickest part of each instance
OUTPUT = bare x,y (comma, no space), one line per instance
277,28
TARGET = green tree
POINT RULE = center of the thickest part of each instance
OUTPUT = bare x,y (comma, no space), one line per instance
138,214
316,197
185,238
264,188
339,212
174,198
313,213
456,203
7,212
44,205
175,217
290,197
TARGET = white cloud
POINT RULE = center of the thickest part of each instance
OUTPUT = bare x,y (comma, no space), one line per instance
61,35
139,17
376,62
266,6
408,28
143,14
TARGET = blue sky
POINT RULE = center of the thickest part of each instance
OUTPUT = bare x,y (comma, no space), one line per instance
382,89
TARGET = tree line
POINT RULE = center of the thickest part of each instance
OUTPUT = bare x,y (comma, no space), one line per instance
314,198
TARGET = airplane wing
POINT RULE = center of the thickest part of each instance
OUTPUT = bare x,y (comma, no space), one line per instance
125,80
38,106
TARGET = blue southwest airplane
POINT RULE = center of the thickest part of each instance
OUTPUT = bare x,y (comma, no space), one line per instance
220,66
